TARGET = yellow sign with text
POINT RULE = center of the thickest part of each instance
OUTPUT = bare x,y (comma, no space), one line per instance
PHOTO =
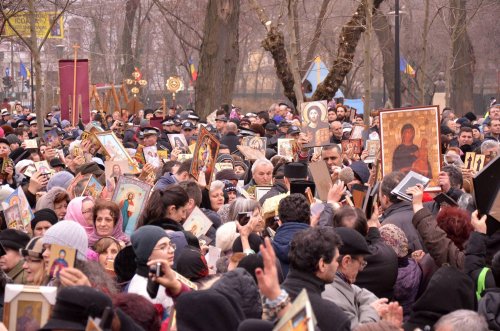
19,24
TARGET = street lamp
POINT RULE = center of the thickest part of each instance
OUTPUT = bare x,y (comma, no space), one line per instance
397,60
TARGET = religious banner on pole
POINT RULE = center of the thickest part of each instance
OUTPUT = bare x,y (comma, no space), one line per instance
67,76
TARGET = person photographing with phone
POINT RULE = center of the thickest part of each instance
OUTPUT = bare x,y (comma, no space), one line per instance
153,248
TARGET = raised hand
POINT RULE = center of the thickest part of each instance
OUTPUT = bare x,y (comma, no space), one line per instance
479,224
267,278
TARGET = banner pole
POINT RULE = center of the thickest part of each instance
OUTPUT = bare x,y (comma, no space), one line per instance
75,58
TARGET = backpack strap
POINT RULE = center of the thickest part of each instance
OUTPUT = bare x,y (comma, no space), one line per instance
481,282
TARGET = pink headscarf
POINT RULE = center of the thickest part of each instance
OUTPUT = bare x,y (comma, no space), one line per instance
117,233
74,213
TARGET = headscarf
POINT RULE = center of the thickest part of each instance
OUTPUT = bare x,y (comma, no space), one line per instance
117,233
74,213
395,238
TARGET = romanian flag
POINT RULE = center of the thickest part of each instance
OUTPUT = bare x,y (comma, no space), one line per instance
406,67
192,70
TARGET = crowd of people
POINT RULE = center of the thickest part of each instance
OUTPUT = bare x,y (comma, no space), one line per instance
419,264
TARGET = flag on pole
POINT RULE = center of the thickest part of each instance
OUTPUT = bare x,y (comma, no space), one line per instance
23,71
192,69
316,73
406,67
7,71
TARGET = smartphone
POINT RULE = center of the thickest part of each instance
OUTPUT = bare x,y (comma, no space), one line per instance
244,217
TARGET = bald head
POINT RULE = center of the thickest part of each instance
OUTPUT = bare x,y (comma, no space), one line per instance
231,127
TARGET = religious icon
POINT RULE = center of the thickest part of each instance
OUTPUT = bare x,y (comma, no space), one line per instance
131,196
410,141
204,155
315,123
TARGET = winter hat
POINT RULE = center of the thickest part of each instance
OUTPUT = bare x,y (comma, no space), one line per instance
144,240
74,305
5,191
353,243
14,239
226,174
470,116
44,214
192,264
224,157
225,236
34,248
394,237
361,170
23,164
71,234
13,139
61,179
65,123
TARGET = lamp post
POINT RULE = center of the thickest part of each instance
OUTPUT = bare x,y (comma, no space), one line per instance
397,72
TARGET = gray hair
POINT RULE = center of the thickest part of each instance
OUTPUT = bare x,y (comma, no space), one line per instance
216,185
462,320
242,205
272,107
488,144
260,162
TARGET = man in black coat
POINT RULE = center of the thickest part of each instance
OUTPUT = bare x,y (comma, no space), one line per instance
313,263
230,139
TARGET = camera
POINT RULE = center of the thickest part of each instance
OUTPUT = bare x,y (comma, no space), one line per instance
156,269
244,217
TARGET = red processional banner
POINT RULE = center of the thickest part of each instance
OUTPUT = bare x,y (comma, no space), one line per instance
67,77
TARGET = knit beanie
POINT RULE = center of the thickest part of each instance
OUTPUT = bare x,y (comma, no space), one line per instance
14,239
144,240
13,139
395,238
44,214
70,234
226,174
61,179
22,165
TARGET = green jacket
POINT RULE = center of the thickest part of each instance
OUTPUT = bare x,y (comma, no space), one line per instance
17,273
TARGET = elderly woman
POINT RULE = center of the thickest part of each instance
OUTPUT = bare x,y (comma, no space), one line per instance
56,199
107,222
214,198
249,213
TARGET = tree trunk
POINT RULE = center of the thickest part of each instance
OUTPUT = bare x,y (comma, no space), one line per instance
37,70
385,39
348,40
274,43
128,28
368,62
218,56
462,66
294,51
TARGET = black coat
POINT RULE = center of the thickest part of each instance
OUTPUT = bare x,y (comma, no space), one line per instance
231,140
328,315
481,248
448,290
381,272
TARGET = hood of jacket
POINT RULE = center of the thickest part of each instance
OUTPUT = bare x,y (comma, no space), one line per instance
240,285
47,200
489,307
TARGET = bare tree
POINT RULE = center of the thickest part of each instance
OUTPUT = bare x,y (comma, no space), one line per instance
33,43
218,56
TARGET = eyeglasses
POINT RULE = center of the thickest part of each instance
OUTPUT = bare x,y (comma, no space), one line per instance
362,264
87,211
165,247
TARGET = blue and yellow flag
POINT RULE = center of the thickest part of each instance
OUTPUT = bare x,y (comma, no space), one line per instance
406,67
